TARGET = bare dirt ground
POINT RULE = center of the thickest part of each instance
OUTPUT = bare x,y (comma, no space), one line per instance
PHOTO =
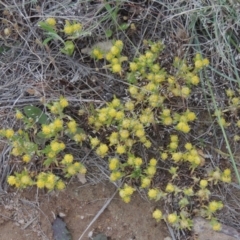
29,215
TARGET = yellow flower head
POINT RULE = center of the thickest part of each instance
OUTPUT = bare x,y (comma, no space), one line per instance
46,129
63,102
203,183
51,21
145,182
68,29
26,158
116,68
151,170
138,161
153,162
68,158
60,185
19,115
152,194
164,156
128,190
77,27
121,149
9,133
94,142
113,164
40,183
172,218
102,150
58,124
157,214
71,170
115,50
11,180
170,188
133,66
25,180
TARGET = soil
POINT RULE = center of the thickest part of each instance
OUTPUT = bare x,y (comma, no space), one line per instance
29,214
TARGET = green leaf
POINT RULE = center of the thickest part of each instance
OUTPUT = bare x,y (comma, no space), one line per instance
108,33
123,26
47,27
48,162
68,48
36,113
47,40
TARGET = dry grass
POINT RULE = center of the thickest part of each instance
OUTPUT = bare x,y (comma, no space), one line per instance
30,71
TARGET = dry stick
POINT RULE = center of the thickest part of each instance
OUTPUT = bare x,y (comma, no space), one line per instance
98,214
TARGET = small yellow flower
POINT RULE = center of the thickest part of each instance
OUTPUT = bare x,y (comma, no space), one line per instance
129,190
77,27
9,133
185,91
46,129
138,161
121,149
26,180
11,180
26,158
152,194
68,158
113,164
157,214
97,54
94,142
133,90
102,150
19,115
115,50
133,67
119,115
118,44
151,170
213,206
51,21
58,124
198,64
184,127
153,162
177,156
126,199
172,218
203,183
116,68
115,176
68,29
60,185
71,170
55,147
170,188
116,102
195,80
191,116
205,62
217,226
188,146
145,182
63,102
164,156
40,183
140,133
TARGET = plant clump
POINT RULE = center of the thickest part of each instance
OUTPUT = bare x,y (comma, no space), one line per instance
119,128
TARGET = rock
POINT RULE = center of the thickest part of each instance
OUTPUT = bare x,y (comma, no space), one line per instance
100,236
202,228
